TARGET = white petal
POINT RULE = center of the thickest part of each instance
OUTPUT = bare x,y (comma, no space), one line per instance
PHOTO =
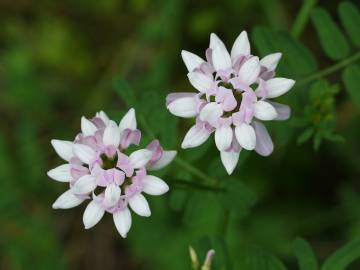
215,41
63,149
61,173
183,107
165,159
67,200
195,137
200,81
154,185
102,115
112,134
245,136
229,160
112,195
92,214
264,111
139,158
271,61
241,46
87,127
191,60
122,220
220,57
128,121
211,113
84,185
250,70
139,205
283,111
223,137
85,153
278,86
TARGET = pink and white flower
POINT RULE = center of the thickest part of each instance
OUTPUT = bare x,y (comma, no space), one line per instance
233,98
99,168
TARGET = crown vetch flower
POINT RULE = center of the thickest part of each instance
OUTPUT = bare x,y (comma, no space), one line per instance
99,168
234,92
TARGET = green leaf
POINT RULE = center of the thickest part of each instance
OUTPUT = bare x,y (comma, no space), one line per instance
343,257
297,60
305,255
257,259
350,19
331,38
351,78
126,93
237,197
305,135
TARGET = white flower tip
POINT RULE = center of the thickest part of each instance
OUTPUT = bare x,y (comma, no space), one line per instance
229,160
195,137
140,158
92,214
84,153
278,86
140,206
87,127
63,148
111,134
155,186
271,61
128,121
55,205
122,220
241,46
264,111
60,173
245,135
183,107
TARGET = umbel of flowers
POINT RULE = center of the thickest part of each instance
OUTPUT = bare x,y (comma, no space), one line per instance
100,170
234,95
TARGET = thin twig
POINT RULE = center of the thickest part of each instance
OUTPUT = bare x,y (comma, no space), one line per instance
302,18
329,70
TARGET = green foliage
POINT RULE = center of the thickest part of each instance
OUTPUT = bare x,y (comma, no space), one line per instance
237,197
305,255
350,19
320,114
61,60
332,39
343,257
351,78
257,259
296,61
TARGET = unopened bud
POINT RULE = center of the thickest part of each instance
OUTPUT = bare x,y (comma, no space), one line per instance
208,260
194,259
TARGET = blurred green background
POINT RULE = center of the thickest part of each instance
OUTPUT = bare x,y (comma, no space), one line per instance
60,60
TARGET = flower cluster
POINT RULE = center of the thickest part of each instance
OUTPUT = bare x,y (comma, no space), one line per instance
234,92
99,169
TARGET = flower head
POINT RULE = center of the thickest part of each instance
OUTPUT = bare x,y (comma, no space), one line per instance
99,168
234,92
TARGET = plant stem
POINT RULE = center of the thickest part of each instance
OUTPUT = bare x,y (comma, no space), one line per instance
223,223
186,184
195,171
302,18
330,70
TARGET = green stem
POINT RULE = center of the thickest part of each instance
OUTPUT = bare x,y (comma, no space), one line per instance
186,184
195,171
223,223
329,70
302,18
